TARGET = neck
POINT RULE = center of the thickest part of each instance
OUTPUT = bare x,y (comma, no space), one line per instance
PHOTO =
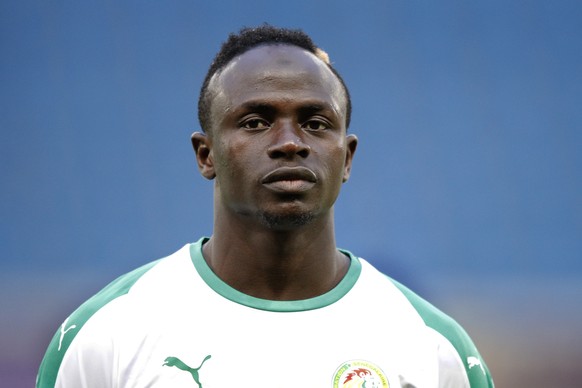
291,264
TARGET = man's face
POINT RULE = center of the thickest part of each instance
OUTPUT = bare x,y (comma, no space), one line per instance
278,145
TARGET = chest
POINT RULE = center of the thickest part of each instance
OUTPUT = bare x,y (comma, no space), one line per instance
219,345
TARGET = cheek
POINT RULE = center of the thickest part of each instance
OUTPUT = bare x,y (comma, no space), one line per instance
232,160
338,160
334,167
222,163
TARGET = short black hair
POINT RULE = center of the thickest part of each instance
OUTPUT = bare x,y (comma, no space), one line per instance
251,37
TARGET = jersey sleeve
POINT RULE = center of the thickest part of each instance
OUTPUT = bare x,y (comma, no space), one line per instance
475,368
90,360
71,360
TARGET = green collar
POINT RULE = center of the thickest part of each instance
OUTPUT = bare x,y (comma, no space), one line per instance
332,296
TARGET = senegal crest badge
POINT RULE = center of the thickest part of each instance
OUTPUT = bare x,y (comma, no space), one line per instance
359,374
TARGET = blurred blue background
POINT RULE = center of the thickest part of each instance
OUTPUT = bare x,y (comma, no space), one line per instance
466,185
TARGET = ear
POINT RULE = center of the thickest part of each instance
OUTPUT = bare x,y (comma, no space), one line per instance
351,145
203,149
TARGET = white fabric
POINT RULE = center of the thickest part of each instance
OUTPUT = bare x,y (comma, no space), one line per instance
172,312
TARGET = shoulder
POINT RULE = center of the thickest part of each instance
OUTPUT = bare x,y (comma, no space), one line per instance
98,310
474,366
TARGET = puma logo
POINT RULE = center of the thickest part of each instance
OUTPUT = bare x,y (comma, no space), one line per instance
175,361
474,361
64,331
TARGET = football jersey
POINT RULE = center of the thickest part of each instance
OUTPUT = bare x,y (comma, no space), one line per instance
175,323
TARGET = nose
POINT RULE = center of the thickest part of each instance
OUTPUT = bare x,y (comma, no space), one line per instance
287,143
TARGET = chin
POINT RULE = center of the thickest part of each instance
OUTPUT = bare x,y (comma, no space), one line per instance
286,221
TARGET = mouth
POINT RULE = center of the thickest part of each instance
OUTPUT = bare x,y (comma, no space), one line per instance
290,179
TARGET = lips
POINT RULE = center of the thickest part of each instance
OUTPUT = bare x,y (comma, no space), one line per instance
290,174
290,179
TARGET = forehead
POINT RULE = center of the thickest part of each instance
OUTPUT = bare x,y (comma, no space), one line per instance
277,72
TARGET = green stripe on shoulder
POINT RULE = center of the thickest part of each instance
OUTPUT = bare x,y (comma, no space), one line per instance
49,368
477,372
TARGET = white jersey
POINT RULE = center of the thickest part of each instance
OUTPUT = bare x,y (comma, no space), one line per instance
174,323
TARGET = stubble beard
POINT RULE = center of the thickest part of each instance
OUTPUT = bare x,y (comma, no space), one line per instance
285,221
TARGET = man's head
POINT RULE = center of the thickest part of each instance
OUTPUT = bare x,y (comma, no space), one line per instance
276,145
247,39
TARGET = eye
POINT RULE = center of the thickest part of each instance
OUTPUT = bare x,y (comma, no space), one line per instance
316,125
255,124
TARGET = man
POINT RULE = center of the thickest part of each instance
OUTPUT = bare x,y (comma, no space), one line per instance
268,300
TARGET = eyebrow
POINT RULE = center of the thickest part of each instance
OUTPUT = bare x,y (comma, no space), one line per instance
260,107
314,108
